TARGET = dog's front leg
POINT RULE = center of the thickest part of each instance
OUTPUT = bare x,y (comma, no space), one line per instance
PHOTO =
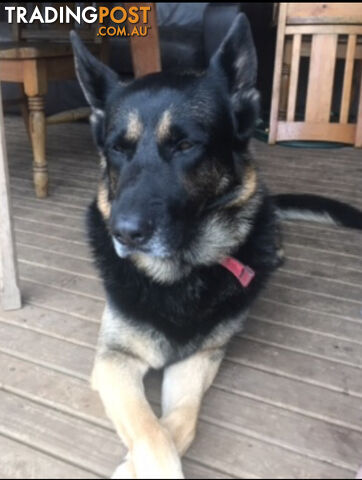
119,379
183,388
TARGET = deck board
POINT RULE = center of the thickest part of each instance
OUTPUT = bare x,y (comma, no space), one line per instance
21,461
287,400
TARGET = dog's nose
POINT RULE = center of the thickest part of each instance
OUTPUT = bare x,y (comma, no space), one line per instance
132,231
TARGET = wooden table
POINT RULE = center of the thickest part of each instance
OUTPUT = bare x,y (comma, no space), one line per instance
9,291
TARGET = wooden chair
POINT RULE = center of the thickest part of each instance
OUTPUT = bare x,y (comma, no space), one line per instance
322,32
38,56
10,294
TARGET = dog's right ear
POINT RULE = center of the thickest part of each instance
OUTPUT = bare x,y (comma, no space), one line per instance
95,78
236,58
235,63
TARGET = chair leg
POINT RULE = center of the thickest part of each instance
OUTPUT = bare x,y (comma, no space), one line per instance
37,127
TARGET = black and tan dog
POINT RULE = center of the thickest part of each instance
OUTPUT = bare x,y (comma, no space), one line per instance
184,235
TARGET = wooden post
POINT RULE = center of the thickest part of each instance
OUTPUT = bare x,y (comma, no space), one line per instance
8,266
146,57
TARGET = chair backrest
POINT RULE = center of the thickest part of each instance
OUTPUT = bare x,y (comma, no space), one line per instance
322,34
57,31
323,13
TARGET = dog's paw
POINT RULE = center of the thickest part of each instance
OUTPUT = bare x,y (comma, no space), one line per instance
160,463
125,470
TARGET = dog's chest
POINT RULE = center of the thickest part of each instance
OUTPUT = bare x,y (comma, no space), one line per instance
119,333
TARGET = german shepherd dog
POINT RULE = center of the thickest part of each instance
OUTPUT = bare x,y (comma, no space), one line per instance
184,235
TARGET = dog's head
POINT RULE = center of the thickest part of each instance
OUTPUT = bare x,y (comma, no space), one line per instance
175,177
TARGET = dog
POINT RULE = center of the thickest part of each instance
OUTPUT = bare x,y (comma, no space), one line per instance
184,234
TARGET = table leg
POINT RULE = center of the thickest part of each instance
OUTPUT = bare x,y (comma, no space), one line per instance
35,87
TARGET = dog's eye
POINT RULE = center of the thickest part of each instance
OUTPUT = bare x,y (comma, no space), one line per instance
184,145
123,147
118,148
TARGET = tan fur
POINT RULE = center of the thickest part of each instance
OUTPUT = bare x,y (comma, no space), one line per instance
218,238
103,202
247,190
224,182
161,270
184,385
125,354
163,127
136,342
102,163
134,127
119,379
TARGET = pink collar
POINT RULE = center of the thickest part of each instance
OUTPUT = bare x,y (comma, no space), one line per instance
242,272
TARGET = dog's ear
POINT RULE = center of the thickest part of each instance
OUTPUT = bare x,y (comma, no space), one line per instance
95,78
235,64
236,57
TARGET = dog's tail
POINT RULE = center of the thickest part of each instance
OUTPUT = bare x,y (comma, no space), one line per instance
317,209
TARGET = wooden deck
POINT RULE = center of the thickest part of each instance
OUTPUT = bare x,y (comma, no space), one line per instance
288,399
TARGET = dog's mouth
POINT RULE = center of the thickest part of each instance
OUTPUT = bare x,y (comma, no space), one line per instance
153,248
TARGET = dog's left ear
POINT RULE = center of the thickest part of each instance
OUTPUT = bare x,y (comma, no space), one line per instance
95,78
235,64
